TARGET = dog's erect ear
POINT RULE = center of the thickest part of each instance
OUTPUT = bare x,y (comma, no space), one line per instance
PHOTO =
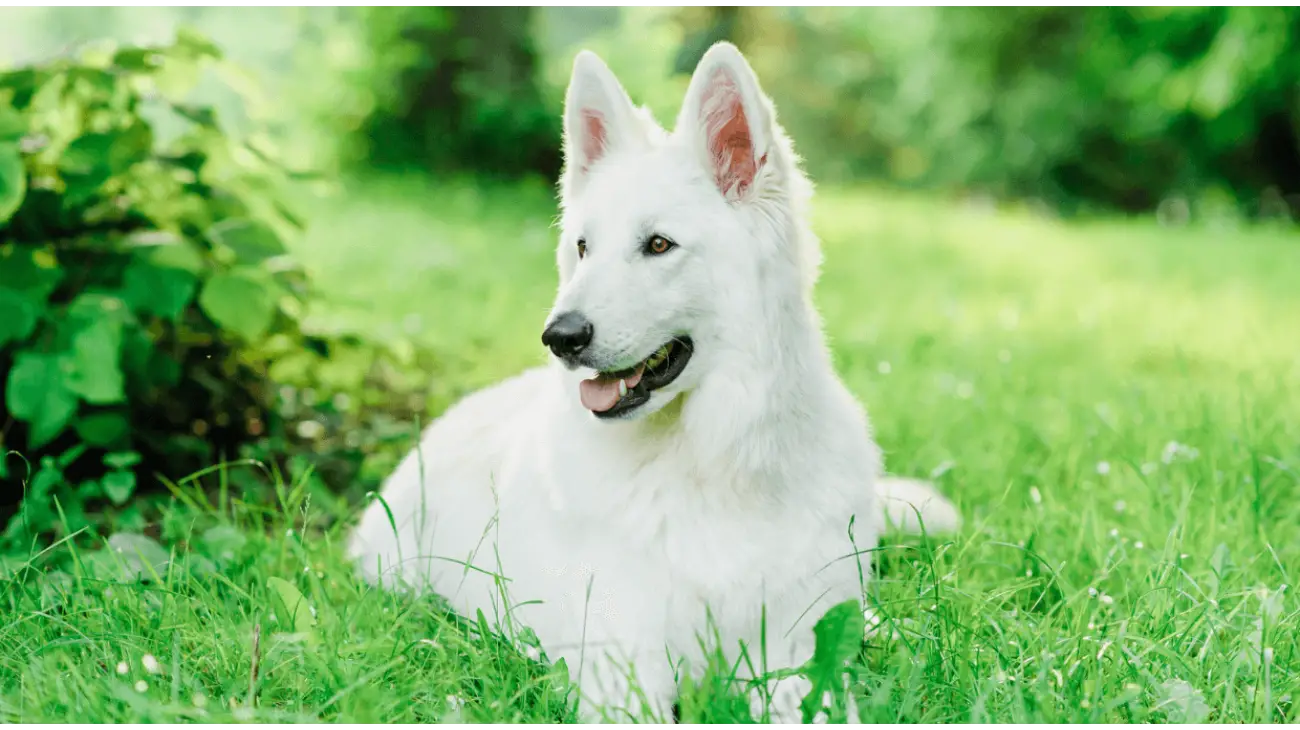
725,113
598,115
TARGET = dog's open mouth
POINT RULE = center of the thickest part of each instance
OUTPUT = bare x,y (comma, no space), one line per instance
613,394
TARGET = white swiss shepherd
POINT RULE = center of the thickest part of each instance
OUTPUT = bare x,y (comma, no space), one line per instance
689,447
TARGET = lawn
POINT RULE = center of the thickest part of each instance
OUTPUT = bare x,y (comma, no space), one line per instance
1115,406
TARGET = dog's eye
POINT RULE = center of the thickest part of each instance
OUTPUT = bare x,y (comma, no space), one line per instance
656,245
582,247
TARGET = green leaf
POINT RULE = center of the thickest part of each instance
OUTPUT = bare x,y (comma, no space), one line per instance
137,59
118,486
177,76
33,271
87,155
838,634
103,429
251,241
37,392
240,303
97,362
137,558
222,542
298,609
19,318
92,159
107,153
191,41
13,181
121,459
152,289
167,250
13,127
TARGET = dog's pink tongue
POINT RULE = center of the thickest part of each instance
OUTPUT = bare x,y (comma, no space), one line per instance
600,394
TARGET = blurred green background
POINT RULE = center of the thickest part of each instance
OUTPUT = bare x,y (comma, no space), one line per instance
1185,111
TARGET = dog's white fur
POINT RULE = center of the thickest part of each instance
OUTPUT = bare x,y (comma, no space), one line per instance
731,490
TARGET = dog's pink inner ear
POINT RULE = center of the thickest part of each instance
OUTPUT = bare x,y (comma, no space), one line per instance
594,137
726,129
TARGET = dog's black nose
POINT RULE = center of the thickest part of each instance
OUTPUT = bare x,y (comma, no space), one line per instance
568,335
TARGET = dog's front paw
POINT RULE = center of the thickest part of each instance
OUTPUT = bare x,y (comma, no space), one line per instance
608,693
786,696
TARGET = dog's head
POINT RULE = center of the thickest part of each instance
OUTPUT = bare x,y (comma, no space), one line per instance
675,248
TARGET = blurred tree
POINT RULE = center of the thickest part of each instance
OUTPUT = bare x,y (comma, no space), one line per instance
458,90
1119,107
701,28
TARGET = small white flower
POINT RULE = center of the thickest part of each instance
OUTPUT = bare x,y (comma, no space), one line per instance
884,367
455,702
1092,592
1175,451
1184,556
141,686
1092,626
1138,545
122,668
1106,599
150,663
1114,532
1103,467
1120,505
1035,496
200,700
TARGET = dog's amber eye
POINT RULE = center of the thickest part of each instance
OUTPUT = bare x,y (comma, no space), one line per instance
658,244
582,247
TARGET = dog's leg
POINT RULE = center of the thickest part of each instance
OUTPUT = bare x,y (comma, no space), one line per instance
786,695
612,689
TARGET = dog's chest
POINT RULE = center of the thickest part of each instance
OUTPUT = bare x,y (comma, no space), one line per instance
689,541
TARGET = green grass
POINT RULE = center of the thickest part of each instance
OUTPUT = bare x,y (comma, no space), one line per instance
1116,407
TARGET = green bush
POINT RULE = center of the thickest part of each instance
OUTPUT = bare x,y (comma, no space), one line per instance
142,281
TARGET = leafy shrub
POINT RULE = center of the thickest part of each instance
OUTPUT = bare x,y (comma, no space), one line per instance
141,280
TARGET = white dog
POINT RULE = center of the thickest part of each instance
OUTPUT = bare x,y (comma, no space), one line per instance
689,448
